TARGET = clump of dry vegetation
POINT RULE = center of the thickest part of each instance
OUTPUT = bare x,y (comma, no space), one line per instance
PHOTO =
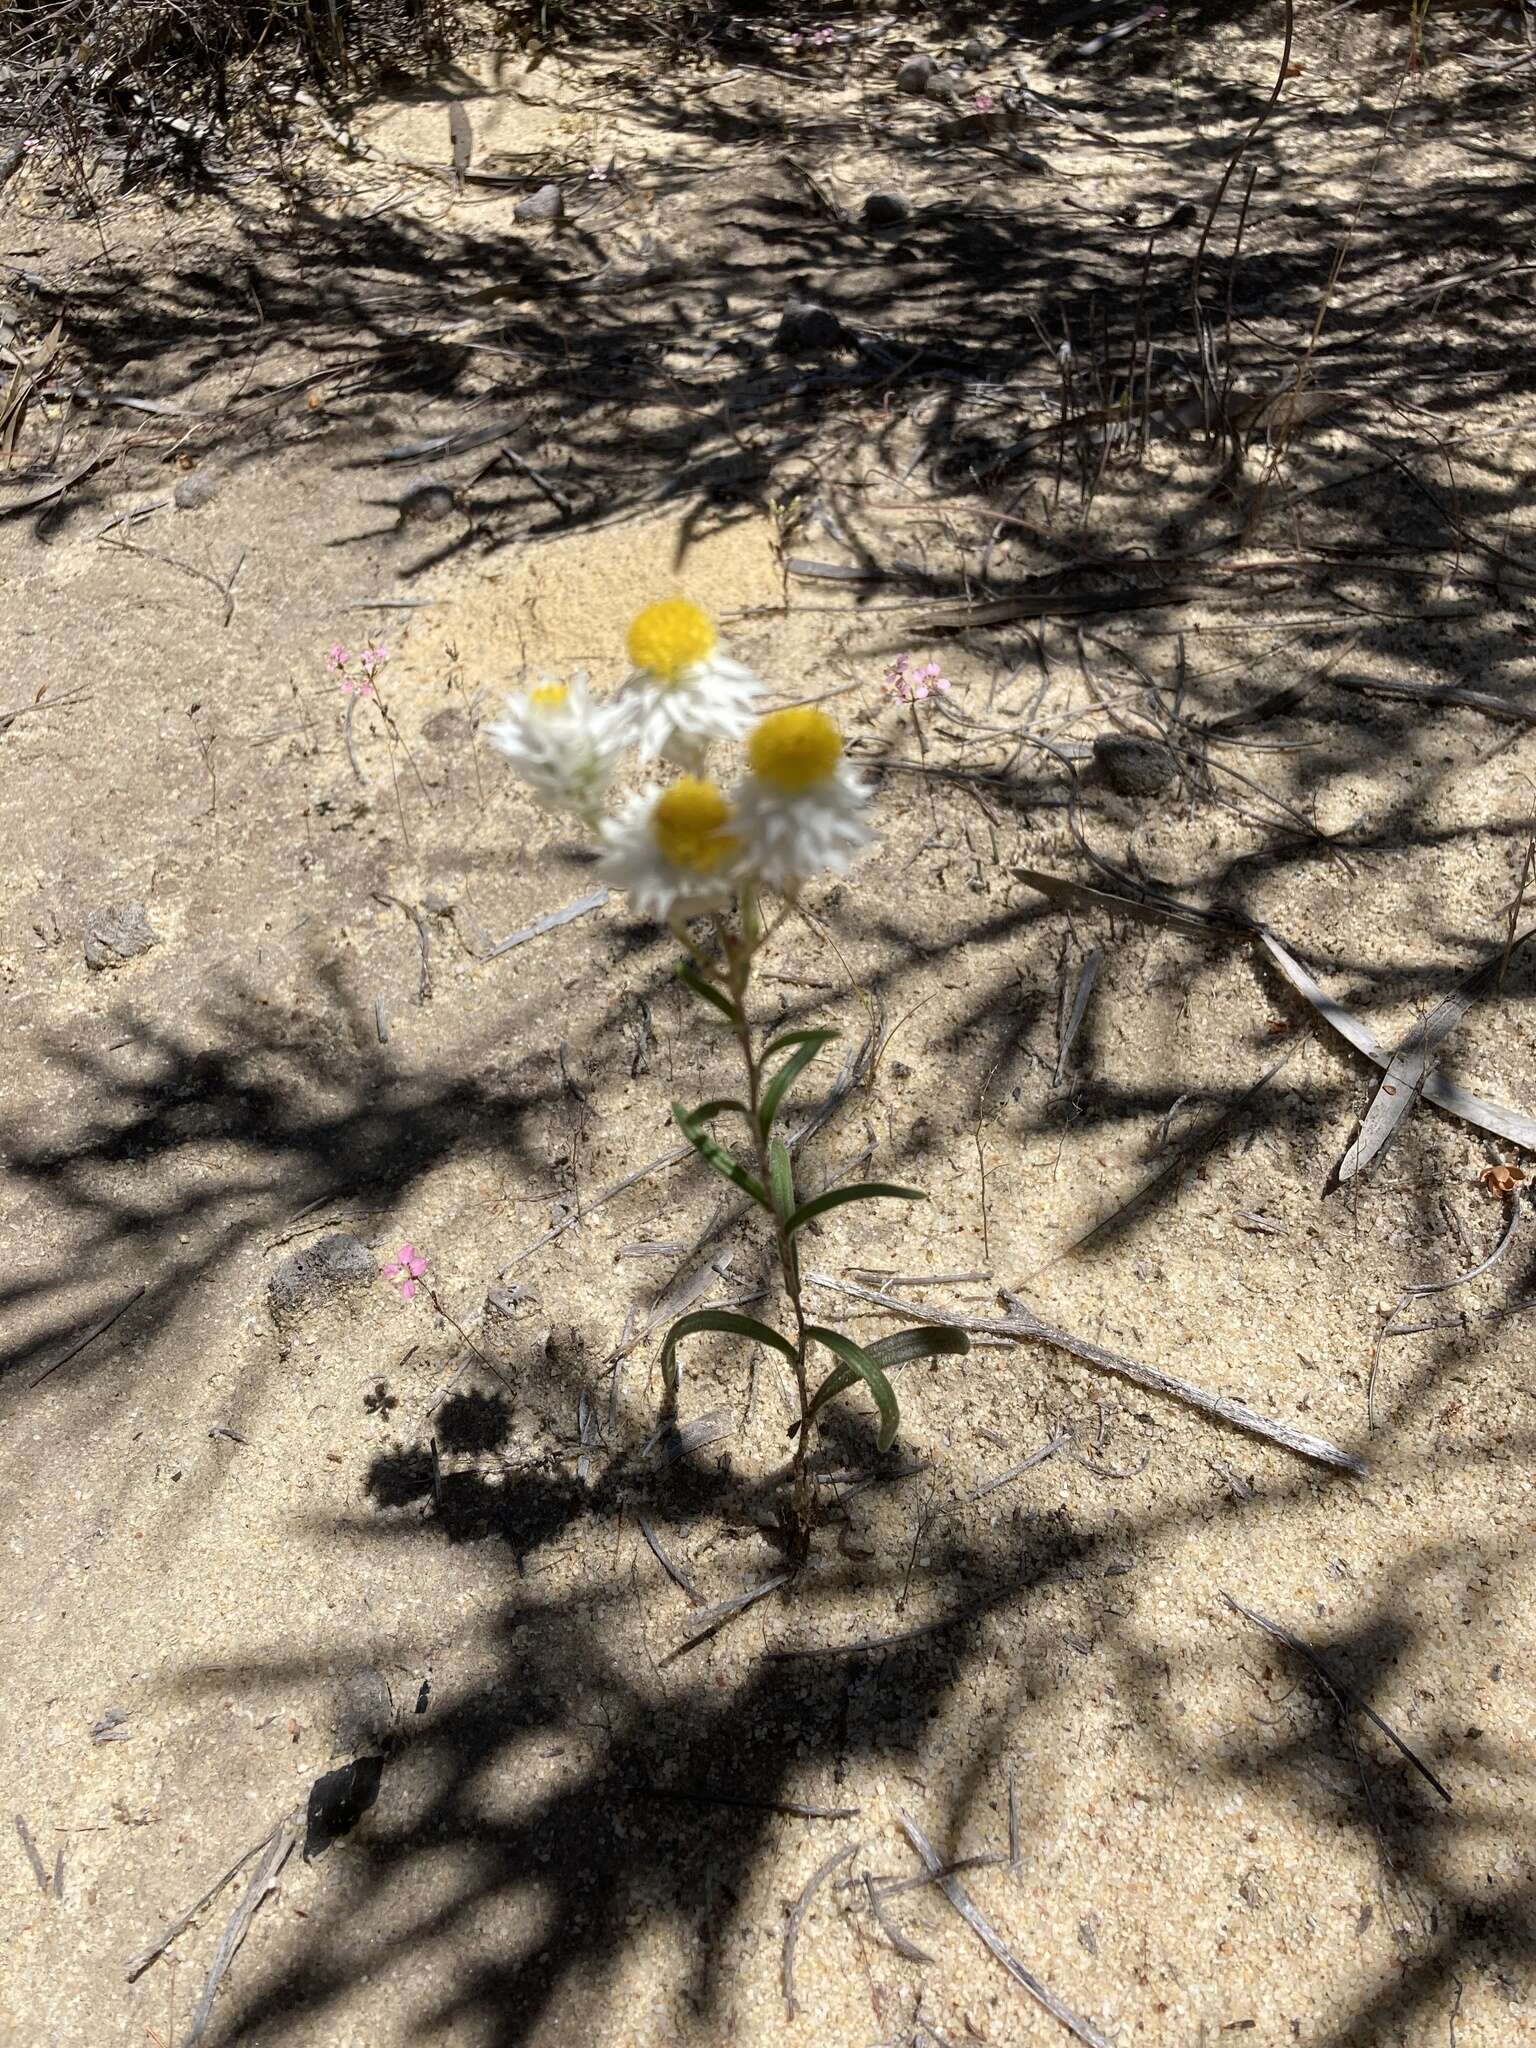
149,86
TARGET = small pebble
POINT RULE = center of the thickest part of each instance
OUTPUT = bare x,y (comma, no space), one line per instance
117,932
199,487
547,203
885,210
806,327
915,73
1133,767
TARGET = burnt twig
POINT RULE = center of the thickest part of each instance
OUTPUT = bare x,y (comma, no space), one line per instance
74,1349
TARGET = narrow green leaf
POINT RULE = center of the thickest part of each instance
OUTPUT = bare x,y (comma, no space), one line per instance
926,1340
717,1156
864,1191
717,1319
856,1359
786,1039
690,976
810,1044
717,1106
783,1177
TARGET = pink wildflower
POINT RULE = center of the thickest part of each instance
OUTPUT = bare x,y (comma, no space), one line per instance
405,1269
910,684
337,659
371,659
360,684
984,102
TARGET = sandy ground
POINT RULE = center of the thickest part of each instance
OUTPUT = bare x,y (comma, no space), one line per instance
270,1548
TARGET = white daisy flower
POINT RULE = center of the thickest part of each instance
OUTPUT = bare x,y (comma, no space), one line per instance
564,744
684,691
670,851
800,811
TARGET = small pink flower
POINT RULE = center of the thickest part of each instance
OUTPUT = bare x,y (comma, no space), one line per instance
984,102
911,685
405,1269
371,659
337,659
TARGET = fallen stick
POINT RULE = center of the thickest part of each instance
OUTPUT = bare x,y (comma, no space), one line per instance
263,1882
1339,1687
1405,1078
1023,1324
580,1214
1486,1116
549,922
1494,1117
706,1796
1057,1443
1438,693
73,1350
141,1962
890,1930
1083,2029
792,1932
674,1572
715,1617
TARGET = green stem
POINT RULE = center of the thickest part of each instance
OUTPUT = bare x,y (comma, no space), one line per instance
734,983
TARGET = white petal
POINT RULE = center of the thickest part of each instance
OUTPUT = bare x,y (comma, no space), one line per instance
713,700
789,838
634,863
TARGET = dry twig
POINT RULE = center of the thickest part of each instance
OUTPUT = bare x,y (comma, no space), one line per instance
822,1871
141,1962
1341,1689
1024,1325
1083,2030
263,1883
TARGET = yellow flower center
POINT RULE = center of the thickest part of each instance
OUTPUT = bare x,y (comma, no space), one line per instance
548,696
794,750
688,823
671,636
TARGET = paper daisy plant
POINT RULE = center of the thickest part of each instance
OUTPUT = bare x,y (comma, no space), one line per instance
564,744
800,809
700,856
672,851
684,692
